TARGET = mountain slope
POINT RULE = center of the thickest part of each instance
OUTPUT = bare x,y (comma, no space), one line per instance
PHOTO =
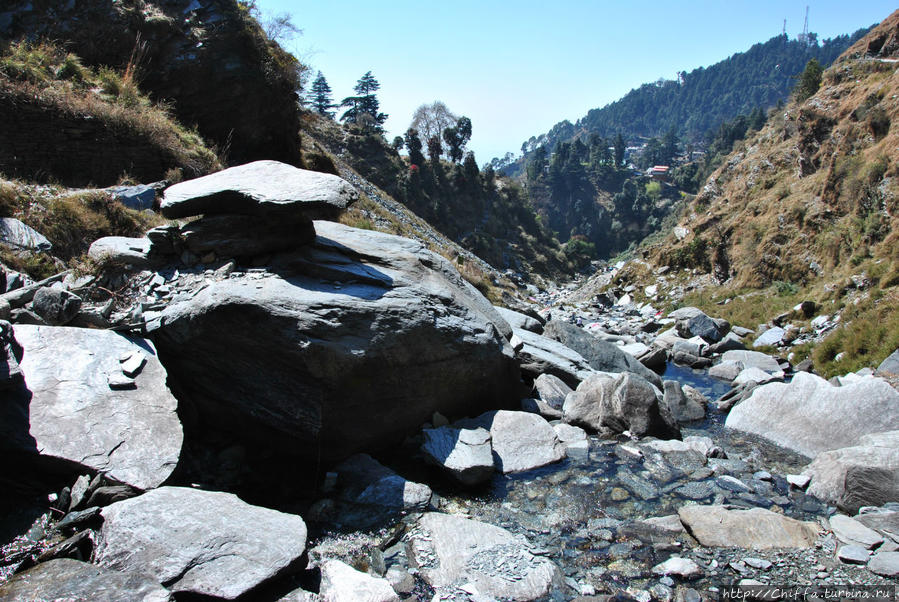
808,208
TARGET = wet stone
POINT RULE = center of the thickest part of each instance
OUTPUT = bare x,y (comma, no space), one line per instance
639,486
697,490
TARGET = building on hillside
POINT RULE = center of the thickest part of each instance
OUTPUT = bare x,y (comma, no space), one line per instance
658,172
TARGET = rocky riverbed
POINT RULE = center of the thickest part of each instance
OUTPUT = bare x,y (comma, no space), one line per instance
337,415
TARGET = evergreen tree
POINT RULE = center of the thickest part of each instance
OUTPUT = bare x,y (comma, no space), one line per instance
457,137
321,96
810,80
364,108
620,147
413,145
435,149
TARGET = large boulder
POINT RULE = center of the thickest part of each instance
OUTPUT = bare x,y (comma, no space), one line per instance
520,320
861,475
67,579
364,480
56,306
552,390
352,342
464,454
717,526
261,188
452,552
681,407
542,355
809,415
200,542
520,440
601,355
614,403
752,359
84,410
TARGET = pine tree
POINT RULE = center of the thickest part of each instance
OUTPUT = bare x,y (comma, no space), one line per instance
364,108
809,81
321,96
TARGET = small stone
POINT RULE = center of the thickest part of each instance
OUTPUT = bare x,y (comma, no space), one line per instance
885,564
757,563
732,484
118,381
618,494
853,554
799,481
850,531
134,363
679,567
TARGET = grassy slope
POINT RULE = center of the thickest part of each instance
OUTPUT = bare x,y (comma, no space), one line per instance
804,205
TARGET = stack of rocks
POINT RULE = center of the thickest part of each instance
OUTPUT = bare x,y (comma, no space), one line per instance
247,211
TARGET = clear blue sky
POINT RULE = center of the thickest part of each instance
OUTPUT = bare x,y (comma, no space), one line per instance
517,68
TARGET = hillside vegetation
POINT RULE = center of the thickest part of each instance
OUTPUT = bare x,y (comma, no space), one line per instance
808,208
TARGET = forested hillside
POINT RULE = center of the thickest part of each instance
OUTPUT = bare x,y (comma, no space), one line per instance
701,99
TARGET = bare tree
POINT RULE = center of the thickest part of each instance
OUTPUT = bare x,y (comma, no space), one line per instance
430,120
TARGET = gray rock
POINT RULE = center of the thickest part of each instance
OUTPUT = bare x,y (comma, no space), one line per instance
520,320
552,390
358,338
521,441
681,408
342,583
726,370
538,406
890,364
134,436
120,249
609,403
851,532
541,355
754,359
260,188
853,554
697,490
601,355
229,235
716,526
655,359
755,375
640,487
688,359
20,236
802,415
732,484
465,454
699,325
364,480
452,552
730,342
67,579
883,520
200,542
885,564
679,567
56,306
569,434
758,563
139,198
771,337
10,355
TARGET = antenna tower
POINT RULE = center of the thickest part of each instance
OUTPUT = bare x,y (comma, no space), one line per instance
804,37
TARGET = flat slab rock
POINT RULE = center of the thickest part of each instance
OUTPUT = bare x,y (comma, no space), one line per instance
201,542
364,480
67,579
717,526
809,415
134,435
453,552
542,355
342,583
260,188
520,440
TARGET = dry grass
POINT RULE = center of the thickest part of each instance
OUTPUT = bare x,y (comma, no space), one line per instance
45,74
71,221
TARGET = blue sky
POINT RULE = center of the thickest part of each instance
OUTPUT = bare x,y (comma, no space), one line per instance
517,68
